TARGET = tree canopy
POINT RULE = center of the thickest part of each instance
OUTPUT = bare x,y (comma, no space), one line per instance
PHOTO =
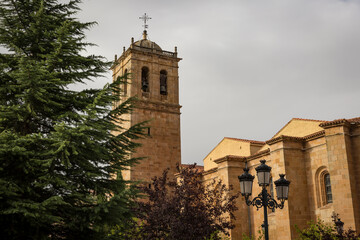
61,150
183,208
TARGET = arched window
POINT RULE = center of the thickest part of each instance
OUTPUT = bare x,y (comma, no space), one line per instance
163,82
327,188
323,187
125,82
145,79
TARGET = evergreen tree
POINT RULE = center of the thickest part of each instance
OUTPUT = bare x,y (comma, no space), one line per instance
59,157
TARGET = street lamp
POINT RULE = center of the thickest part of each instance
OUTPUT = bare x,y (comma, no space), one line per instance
264,199
246,181
338,223
339,226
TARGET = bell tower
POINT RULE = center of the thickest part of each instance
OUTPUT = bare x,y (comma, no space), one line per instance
153,78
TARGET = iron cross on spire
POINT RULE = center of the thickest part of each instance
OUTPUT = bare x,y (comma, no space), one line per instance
145,18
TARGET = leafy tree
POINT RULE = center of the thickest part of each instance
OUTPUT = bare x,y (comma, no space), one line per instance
59,156
322,231
185,208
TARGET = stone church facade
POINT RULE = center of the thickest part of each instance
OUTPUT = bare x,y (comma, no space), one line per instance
320,158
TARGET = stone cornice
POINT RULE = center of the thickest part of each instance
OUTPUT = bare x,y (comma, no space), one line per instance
158,106
259,154
147,51
229,158
210,171
315,135
134,59
284,138
152,51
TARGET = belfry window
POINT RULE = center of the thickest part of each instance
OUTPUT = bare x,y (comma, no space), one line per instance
327,187
125,81
145,79
163,82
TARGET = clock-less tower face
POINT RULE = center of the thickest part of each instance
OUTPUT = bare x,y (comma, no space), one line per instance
153,78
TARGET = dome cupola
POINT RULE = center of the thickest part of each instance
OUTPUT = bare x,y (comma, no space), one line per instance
146,43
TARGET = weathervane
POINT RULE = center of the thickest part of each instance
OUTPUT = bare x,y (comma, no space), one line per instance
145,18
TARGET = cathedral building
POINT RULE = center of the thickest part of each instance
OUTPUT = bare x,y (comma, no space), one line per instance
320,158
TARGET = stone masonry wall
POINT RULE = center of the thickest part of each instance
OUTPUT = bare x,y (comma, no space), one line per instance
355,144
228,170
295,169
316,160
340,164
161,149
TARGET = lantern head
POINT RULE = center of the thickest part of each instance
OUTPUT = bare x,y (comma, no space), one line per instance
282,188
246,181
339,225
263,173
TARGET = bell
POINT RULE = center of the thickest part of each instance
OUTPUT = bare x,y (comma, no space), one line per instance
145,86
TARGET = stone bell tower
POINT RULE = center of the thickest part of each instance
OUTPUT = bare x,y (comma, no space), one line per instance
153,78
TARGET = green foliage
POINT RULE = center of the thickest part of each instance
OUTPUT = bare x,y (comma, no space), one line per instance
316,231
132,230
260,236
322,231
217,235
59,156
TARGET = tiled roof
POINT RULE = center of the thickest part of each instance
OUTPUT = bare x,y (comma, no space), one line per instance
300,139
315,135
301,119
354,120
246,140
341,121
306,119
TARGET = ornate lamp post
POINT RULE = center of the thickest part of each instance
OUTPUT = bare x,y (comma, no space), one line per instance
264,199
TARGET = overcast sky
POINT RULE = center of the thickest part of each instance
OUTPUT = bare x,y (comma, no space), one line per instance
248,66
